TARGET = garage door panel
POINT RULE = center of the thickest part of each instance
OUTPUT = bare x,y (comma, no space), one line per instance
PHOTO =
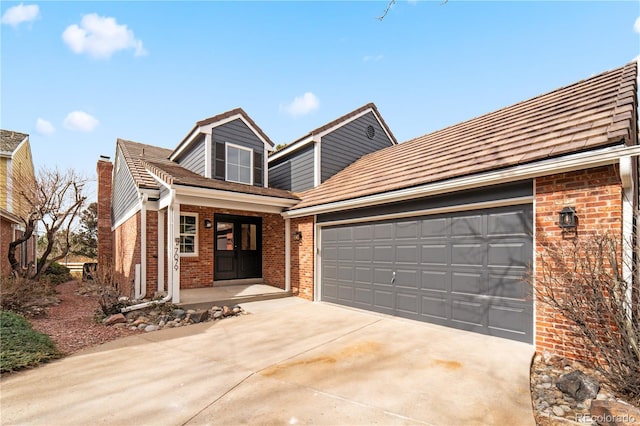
407,302
407,279
407,254
467,254
435,280
466,226
407,229
363,233
383,299
363,253
510,254
434,228
383,231
435,254
435,307
467,282
507,287
363,275
508,223
462,270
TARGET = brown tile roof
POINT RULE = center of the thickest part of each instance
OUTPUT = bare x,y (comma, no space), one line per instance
221,117
140,156
346,117
591,113
9,140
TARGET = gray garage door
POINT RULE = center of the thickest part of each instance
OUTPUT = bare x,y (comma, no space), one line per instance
460,270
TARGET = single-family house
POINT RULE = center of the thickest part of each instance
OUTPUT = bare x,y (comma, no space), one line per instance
16,172
441,228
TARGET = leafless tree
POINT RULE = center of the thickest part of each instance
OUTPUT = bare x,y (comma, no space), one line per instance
53,201
588,280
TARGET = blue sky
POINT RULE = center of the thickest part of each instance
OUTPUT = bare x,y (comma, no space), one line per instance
78,75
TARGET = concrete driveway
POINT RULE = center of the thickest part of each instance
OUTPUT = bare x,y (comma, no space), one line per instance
290,362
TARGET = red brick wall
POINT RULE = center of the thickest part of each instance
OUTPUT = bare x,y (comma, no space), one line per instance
105,236
126,254
302,258
596,195
196,272
152,253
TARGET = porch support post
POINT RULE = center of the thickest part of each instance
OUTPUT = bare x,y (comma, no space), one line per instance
287,254
161,250
173,247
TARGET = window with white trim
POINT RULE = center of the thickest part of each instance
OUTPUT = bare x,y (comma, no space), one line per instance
239,164
189,234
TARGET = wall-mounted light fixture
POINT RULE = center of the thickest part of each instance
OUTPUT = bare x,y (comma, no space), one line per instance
207,223
297,236
567,219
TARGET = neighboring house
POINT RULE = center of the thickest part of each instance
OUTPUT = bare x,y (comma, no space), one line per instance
441,228
16,171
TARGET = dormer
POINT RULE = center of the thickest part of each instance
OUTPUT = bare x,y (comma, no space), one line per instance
228,147
323,152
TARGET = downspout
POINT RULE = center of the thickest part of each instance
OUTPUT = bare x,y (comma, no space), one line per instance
628,238
169,295
143,247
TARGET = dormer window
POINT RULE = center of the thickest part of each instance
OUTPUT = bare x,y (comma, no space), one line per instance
239,164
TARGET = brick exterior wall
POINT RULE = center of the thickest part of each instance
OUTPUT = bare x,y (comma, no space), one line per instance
152,253
126,255
302,258
596,195
104,170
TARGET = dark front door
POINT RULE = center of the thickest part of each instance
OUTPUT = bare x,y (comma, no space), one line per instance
238,247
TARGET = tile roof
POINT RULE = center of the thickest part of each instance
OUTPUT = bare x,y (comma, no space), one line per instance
589,114
140,157
221,117
9,140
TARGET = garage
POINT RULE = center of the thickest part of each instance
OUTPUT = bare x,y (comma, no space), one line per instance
462,269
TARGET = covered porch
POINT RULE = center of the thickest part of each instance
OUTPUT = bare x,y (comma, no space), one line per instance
204,298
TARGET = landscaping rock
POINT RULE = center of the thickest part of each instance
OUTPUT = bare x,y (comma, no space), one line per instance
114,319
178,313
226,311
199,316
141,320
578,385
558,411
614,413
217,314
151,327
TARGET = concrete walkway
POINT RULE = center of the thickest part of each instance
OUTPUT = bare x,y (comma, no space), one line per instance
290,362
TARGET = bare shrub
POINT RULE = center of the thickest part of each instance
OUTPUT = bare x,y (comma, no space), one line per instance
25,296
587,280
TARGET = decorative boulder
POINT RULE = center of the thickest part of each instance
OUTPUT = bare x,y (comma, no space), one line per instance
614,413
578,385
114,319
199,316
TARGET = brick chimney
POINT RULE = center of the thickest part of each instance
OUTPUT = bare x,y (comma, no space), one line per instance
104,170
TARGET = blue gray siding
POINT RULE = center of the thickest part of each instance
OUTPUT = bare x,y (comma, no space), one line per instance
348,143
293,172
237,133
193,158
125,192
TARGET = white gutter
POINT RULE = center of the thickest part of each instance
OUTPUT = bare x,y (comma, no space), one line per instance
596,158
169,294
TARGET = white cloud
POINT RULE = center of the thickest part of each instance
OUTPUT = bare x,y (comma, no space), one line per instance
16,15
373,58
101,37
44,127
302,105
636,25
80,121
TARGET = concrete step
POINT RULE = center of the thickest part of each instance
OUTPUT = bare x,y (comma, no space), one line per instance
237,300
